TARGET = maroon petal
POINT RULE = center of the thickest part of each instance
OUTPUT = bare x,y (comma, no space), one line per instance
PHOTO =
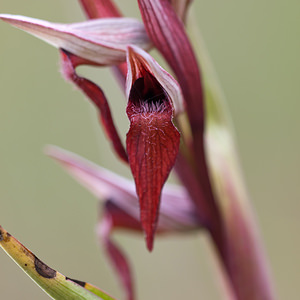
97,96
115,255
152,141
100,8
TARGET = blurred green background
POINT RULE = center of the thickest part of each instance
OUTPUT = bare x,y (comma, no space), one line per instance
255,48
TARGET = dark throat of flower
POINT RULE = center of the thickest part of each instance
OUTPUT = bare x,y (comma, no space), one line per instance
152,145
148,98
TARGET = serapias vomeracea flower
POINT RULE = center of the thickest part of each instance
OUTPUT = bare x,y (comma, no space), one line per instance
154,97
213,196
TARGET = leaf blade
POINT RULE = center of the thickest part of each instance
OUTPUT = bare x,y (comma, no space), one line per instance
55,284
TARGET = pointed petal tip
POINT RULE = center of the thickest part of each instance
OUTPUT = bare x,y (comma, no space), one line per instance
5,17
131,50
149,233
150,241
2,16
53,151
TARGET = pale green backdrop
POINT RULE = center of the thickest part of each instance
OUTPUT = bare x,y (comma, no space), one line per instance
255,48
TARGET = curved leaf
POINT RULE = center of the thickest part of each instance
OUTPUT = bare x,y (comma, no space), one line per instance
56,285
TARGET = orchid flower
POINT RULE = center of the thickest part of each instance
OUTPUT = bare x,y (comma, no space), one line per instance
172,127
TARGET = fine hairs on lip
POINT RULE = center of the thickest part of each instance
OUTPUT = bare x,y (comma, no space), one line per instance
157,106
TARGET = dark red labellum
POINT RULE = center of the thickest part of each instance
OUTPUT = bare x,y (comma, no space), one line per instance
152,145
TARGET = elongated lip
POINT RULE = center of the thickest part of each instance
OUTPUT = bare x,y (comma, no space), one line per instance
152,141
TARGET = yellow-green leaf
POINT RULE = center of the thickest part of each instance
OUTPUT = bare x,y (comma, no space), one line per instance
56,285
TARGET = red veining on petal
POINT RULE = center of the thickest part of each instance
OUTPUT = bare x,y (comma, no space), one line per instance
152,145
